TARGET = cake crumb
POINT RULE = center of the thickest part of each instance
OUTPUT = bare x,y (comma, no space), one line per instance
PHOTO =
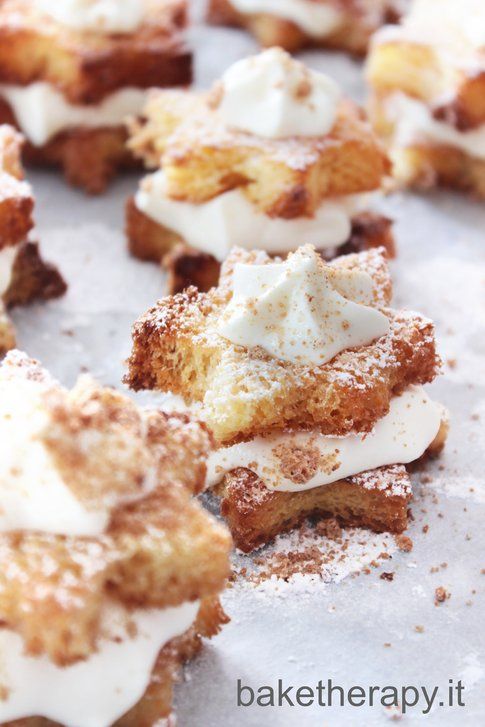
387,576
441,595
404,543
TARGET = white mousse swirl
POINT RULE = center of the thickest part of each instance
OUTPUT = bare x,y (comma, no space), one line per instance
275,96
316,19
99,16
231,220
98,691
400,437
42,111
301,310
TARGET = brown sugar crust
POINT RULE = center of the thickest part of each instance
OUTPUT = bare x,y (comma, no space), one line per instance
148,240
156,703
377,499
269,30
87,66
287,178
160,549
245,392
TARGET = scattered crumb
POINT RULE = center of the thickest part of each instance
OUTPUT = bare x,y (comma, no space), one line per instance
387,576
441,595
319,551
404,543
419,629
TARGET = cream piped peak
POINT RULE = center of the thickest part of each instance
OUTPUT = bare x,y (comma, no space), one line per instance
275,96
301,310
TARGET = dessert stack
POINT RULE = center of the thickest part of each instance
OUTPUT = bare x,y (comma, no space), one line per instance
71,71
271,157
311,383
427,77
110,570
24,275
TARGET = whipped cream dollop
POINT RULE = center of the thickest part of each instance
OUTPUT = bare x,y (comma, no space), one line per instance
33,493
301,311
400,437
414,123
316,19
99,16
42,111
231,220
275,96
7,259
98,691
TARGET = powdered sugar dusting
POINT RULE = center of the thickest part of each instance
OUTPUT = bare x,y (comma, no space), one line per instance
311,557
